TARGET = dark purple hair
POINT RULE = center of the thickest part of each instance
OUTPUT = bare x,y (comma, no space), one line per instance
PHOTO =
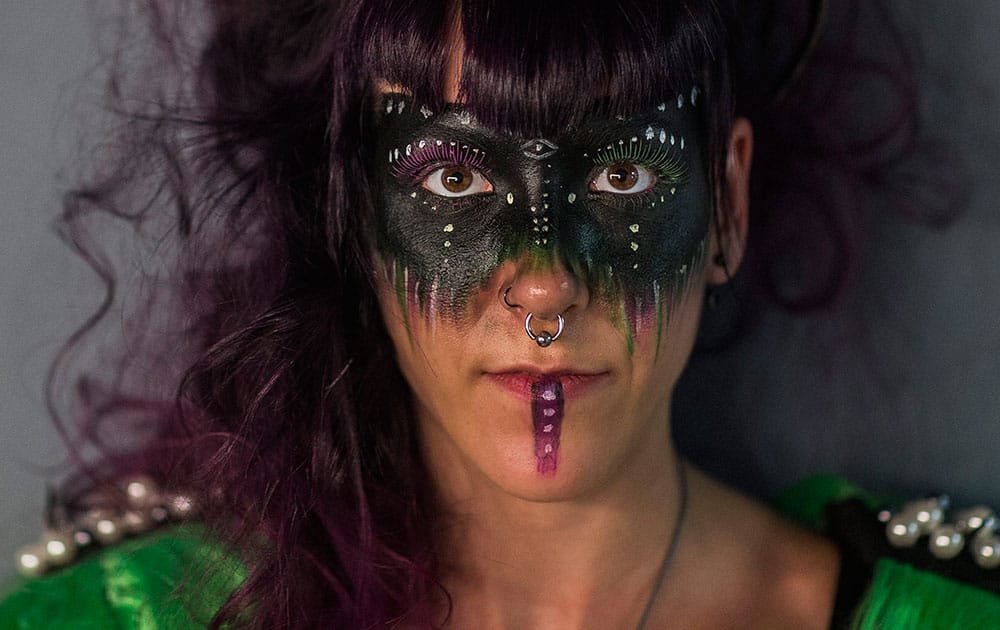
267,380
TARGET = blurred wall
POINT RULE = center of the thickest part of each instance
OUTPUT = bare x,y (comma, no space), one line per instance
45,52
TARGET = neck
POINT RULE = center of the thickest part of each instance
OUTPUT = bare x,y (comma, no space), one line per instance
590,558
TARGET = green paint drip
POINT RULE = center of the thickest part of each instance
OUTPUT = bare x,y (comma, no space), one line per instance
399,278
658,305
629,339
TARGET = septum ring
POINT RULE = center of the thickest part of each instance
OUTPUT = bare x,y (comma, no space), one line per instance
544,339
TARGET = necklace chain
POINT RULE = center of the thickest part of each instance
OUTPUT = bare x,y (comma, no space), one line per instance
672,547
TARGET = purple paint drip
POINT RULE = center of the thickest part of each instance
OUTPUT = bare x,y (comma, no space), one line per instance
546,415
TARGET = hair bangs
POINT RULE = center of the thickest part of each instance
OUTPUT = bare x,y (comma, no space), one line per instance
406,43
532,68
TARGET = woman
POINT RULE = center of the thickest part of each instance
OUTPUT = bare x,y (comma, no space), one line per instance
440,267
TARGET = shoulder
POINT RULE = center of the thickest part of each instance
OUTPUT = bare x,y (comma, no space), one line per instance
904,564
176,577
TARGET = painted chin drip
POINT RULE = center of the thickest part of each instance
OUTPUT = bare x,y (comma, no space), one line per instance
546,415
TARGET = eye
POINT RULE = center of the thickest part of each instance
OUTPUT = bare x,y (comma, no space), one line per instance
456,180
623,178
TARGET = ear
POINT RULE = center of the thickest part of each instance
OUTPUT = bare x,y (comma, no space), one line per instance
729,234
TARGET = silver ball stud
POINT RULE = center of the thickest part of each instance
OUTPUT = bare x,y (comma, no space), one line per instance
136,521
159,514
82,538
928,513
181,506
141,491
986,549
543,339
31,560
946,542
902,531
60,548
104,526
971,519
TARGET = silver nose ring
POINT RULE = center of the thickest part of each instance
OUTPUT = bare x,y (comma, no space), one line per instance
544,338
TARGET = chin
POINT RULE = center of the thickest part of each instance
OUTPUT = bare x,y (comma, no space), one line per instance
579,471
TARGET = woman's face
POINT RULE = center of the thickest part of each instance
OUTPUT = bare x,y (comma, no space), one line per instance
606,226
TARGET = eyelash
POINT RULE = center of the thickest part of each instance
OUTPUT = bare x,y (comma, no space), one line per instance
418,161
668,168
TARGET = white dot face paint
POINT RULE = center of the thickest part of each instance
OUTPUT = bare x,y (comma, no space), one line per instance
547,416
535,204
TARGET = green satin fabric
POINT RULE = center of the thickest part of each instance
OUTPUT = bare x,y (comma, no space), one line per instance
177,579
173,579
900,597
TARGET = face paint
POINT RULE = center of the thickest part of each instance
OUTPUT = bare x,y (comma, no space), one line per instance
623,203
547,415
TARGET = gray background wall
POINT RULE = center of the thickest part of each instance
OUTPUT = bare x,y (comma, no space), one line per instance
929,303
45,50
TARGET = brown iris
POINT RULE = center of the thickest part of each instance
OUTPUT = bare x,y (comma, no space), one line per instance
623,175
456,179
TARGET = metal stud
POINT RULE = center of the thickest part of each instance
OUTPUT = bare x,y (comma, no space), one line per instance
971,519
902,531
946,542
60,548
986,547
31,560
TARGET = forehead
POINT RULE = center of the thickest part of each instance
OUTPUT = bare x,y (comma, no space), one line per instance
395,109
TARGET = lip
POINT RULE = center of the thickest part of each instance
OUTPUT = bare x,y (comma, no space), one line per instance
518,380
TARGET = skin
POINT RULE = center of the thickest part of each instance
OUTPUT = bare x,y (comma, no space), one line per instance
580,548
634,243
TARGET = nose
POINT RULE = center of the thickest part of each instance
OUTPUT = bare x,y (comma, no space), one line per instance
544,289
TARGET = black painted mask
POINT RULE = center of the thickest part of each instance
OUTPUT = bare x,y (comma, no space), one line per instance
623,203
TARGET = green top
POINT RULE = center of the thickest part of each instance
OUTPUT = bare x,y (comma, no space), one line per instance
146,583
177,578
899,597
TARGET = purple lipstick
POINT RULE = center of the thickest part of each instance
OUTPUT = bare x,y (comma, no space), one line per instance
546,415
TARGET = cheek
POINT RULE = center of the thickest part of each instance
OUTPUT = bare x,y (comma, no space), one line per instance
659,360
